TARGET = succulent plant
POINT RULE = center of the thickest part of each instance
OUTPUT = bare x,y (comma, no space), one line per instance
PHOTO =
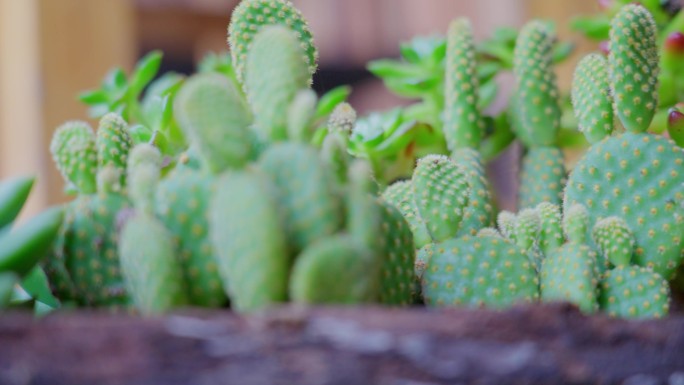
634,292
634,175
570,273
538,112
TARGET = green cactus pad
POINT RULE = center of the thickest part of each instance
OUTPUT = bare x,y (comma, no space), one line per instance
614,239
150,268
543,177
576,223
249,18
276,72
480,210
398,258
364,215
336,270
634,70
527,228
463,125
637,177
634,292
336,157
479,271
400,195
506,224
182,203
342,119
489,232
550,221
537,92
113,144
75,154
251,247
570,274
310,209
90,249
300,115
591,98
441,192
216,119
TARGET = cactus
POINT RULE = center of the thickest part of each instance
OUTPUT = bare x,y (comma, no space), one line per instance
551,228
477,271
591,98
253,255
398,252
441,194
614,239
251,16
506,222
570,273
543,173
400,195
634,292
576,223
634,68
113,144
479,212
271,89
151,270
74,151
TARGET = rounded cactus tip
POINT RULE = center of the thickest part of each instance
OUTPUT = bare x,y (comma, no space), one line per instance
506,222
615,240
342,119
591,97
675,126
488,232
575,223
142,183
527,226
74,151
144,153
112,118
360,174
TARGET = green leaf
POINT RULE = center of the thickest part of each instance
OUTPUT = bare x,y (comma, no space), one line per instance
140,134
386,68
36,285
421,48
595,28
145,71
93,97
330,100
487,94
7,282
115,83
562,51
487,71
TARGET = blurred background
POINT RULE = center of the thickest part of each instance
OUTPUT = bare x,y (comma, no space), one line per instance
50,50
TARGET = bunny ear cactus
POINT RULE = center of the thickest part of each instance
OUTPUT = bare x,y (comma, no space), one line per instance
400,195
570,273
614,239
551,228
543,172
635,175
113,144
74,151
591,97
479,271
634,292
250,17
151,270
463,124
270,88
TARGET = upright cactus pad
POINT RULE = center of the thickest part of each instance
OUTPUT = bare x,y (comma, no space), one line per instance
251,16
113,144
637,177
551,227
480,210
543,177
182,205
527,228
537,92
570,274
74,151
276,72
310,208
251,246
506,224
576,223
398,258
463,125
614,239
592,99
400,195
152,273
479,271
634,292
336,270
634,67
216,119
441,194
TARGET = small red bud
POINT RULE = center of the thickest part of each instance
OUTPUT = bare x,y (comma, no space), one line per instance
675,125
674,117
605,4
675,42
604,46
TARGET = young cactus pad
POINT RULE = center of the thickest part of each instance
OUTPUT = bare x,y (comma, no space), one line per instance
637,177
216,119
634,67
479,212
570,274
477,271
543,177
400,194
634,292
441,193
551,231
249,18
463,125
536,85
252,252
113,144
276,72
398,258
74,151
591,97
614,239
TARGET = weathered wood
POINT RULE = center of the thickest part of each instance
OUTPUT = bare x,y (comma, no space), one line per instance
551,344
